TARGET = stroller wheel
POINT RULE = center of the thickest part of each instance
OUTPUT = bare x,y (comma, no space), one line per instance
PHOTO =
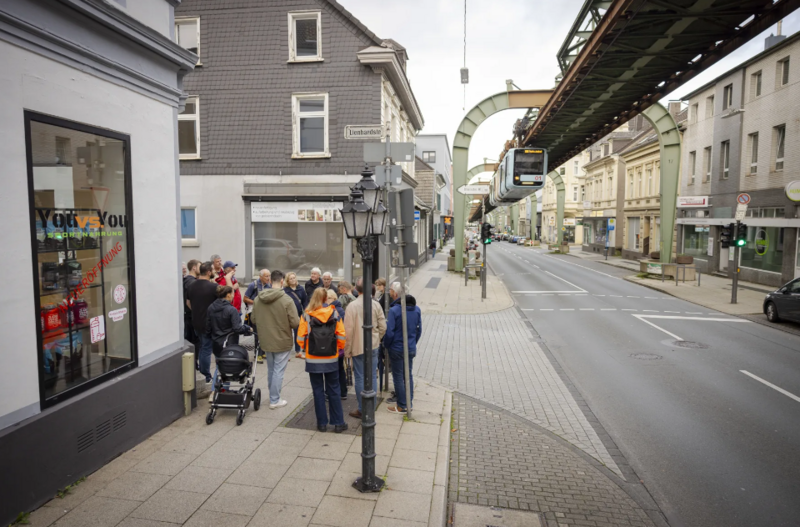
257,399
240,418
210,417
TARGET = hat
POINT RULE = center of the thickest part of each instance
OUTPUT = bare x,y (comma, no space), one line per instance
228,264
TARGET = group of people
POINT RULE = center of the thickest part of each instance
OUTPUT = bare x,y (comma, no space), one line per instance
318,322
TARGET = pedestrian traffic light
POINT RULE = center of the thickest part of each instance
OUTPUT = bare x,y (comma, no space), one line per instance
726,235
741,235
486,233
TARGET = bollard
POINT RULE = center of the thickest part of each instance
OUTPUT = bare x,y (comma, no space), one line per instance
187,368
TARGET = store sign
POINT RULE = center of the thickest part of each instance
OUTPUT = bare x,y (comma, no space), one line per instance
117,314
762,242
793,190
293,212
416,215
612,224
570,222
551,220
692,201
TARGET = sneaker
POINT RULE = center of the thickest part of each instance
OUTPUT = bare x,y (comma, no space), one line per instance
344,397
340,428
395,410
356,414
208,380
279,404
260,359
322,428
392,399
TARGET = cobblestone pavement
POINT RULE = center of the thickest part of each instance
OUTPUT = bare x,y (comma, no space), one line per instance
494,357
498,459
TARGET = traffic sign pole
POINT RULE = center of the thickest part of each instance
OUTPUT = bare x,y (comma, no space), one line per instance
735,284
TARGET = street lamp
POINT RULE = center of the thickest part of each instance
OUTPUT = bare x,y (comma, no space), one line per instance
364,218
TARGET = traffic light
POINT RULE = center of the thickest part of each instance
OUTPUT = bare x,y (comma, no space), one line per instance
486,233
726,235
741,235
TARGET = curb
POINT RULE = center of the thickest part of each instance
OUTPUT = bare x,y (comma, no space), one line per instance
648,286
438,514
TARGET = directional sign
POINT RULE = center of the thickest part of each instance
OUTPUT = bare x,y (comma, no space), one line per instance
395,174
473,189
741,212
743,198
400,152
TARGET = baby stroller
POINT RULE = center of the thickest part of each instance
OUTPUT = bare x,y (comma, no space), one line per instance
233,387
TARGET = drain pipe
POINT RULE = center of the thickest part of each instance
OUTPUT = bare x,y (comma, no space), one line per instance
187,368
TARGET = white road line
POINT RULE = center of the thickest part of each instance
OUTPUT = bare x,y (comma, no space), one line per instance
652,297
545,310
570,283
609,309
693,313
673,335
650,310
598,295
678,312
588,269
673,317
776,388
633,297
570,309
540,292
528,309
526,261
628,310
587,309
615,296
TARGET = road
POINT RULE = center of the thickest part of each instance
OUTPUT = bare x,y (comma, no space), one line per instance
714,445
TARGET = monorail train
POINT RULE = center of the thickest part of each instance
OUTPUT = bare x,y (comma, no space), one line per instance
521,173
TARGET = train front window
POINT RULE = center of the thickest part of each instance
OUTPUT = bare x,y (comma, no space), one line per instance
528,163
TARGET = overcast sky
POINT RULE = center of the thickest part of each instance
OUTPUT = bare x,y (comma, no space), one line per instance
505,40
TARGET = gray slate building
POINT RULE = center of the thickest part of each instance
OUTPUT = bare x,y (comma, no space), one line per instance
265,163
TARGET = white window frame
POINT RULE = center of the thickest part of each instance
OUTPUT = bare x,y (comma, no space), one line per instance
296,98
294,16
752,140
755,85
783,65
725,159
184,19
709,106
192,117
708,152
780,136
575,193
695,109
575,167
727,96
191,242
692,166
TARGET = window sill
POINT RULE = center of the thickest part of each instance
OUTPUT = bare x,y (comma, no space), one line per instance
198,158
305,61
312,156
190,243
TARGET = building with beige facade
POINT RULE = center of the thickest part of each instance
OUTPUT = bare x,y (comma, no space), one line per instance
571,174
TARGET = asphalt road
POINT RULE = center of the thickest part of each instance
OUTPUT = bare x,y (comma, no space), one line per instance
715,446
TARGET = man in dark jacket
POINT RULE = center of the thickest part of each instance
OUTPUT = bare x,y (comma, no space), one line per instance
313,283
223,324
393,342
200,295
188,280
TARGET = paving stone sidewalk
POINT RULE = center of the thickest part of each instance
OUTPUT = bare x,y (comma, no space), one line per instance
500,460
263,474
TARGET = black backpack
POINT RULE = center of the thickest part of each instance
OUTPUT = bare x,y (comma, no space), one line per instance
322,337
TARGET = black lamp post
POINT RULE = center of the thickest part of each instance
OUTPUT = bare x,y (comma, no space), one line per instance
364,218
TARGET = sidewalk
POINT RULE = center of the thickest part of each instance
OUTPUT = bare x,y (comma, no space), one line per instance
264,474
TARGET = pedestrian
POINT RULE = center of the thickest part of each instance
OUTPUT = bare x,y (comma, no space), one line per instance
327,280
321,335
201,295
298,294
223,324
380,290
188,331
184,270
264,281
226,277
433,249
345,293
313,283
333,301
217,261
360,281
276,318
354,345
393,341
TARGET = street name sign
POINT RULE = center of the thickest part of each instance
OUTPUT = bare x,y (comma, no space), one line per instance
363,131
468,190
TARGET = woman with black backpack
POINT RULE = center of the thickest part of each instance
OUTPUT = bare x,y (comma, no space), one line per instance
321,335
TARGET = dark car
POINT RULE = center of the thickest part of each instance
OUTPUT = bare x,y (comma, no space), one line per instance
784,304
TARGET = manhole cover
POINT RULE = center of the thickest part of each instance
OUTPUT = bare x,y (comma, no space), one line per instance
645,356
478,516
685,344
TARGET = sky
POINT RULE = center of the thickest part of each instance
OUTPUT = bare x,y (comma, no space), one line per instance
505,39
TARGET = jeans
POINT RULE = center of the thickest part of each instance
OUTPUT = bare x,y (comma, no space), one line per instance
434,253
322,384
204,355
342,376
398,377
276,366
358,373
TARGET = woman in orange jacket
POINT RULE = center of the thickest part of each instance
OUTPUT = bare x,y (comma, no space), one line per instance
321,335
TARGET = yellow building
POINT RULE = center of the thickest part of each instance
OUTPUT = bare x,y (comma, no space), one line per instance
571,174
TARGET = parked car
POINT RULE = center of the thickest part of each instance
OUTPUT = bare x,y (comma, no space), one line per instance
784,304
276,253
521,240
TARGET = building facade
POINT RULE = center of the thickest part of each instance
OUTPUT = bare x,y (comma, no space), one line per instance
265,161
571,174
91,356
738,140
434,150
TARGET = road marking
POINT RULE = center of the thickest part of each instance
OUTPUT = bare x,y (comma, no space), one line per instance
672,317
528,309
652,297
570,283
633,297
615,296
693,313
609,309
526,261
587,309
650,310
587,268
598,295
672,312
540,292
545,310
570,309
776,388
628,310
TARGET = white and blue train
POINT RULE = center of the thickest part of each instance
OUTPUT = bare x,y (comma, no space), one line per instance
521,173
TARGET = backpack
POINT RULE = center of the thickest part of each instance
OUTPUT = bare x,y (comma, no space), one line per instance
322,337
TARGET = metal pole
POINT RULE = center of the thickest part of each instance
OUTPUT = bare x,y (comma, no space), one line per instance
401,244
368,482
735,286
484,269
388,260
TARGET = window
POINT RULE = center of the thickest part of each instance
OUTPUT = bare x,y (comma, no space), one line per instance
633,233
605,149
779,134
649,181
727,96
692,166
610,187
755,85
752,146
188,224
764,249
630,186
583,193
187,34
82,290
693,113
310,126
429,157
725,158
63,150
562,171
575,167
189,130
709,107
639,188
695,241
707,163
783,72
575,193
305,36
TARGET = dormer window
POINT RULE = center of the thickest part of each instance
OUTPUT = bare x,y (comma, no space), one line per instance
305,36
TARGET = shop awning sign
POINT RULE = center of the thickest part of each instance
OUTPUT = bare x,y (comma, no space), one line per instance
692,201
793,190
295,211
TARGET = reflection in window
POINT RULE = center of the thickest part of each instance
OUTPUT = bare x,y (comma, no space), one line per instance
764,249
695,240
300,246
780,138
188,229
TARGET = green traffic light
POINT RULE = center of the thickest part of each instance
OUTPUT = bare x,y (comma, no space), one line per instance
741,243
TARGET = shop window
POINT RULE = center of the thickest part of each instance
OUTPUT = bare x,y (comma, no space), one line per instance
429,157
633,234
187,34
692,166
310,127
298,236
752,147
695,240
188,224
82,260
189,130
725,158
305,36
755,85
764,249
779,138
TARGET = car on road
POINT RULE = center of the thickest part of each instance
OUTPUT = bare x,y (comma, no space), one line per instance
784,303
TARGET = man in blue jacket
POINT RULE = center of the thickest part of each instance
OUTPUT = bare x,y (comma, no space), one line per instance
393,341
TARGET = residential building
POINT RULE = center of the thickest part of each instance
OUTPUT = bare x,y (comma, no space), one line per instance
91,361
572,176
429,184
265,163
736,141
434,150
